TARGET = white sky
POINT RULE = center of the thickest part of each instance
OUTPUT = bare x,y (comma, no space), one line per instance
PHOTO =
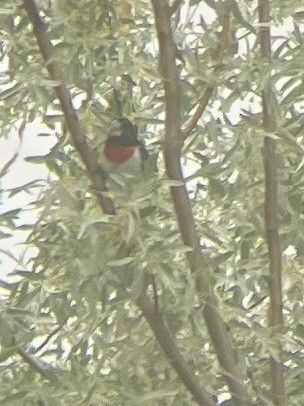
20,173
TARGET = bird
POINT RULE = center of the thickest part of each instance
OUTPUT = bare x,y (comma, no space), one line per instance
122,151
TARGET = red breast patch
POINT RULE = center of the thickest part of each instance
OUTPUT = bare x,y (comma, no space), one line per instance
118,154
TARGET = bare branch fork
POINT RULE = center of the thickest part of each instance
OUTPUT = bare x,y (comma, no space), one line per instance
276,322
172,153
160,330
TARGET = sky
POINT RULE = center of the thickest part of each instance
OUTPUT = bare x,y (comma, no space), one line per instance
20,173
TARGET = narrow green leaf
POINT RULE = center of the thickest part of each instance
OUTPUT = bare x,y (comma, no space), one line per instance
33,276
11,399
137,283
121,262
36,159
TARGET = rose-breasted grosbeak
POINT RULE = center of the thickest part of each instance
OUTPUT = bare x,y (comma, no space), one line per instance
123,152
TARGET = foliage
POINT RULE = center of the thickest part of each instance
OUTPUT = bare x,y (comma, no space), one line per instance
74,305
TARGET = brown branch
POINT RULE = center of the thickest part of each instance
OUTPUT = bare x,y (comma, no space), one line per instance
52,333
88,157
5,168
168,345
276,322
172,153
201,107
204,100
41,368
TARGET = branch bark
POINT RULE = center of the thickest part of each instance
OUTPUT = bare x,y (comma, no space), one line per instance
42,369
168,345
9,163
172,153
51,335
78,137
275,321
204,100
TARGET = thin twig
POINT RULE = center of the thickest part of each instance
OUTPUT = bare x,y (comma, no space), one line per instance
87,155
42,369
275,320
48,338
172,153
201,107
204,100
5,168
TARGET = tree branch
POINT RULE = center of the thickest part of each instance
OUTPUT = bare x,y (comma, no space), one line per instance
276,322
204,100
88,157
172,154
52,334
9,163
200,108
168,345
41,368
